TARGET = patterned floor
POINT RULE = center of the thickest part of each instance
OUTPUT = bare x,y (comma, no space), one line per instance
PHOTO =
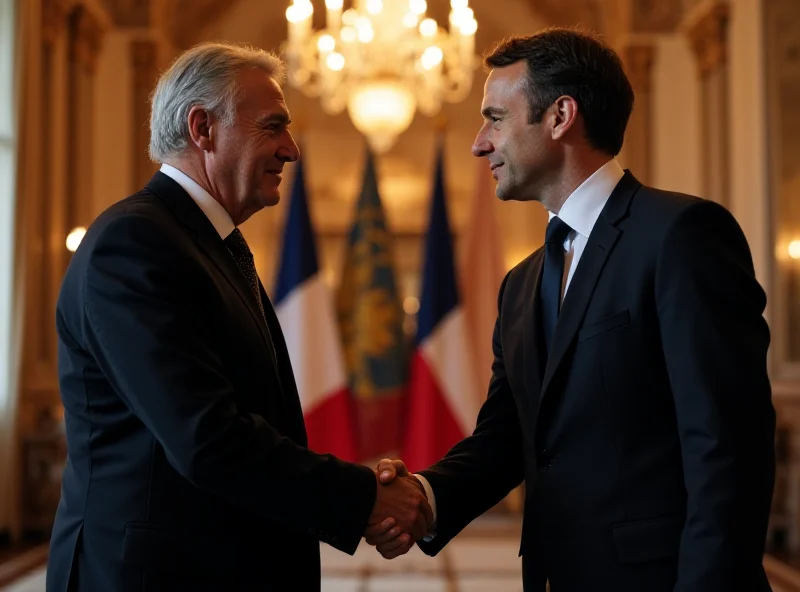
484,557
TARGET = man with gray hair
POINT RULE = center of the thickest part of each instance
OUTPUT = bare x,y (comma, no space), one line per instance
187,463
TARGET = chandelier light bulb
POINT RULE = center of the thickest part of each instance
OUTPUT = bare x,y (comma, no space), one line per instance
335,61
428,28
326,44
469,27
410,20
299,11
349,17
337,4
460,17
417,6
293,14
431,57
365,33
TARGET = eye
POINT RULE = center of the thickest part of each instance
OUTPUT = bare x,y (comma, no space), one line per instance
274,128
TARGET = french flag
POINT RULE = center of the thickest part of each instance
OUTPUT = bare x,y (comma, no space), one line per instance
304,306
442,398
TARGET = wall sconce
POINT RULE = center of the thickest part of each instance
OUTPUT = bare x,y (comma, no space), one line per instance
794,249
74,238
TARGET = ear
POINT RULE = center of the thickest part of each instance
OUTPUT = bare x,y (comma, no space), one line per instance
201,128
565,115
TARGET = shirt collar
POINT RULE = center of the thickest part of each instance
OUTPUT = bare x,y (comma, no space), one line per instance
213,210
583,206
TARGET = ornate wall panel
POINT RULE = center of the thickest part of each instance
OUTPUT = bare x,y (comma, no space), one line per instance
707,29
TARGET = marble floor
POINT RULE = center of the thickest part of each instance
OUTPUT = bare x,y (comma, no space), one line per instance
483,557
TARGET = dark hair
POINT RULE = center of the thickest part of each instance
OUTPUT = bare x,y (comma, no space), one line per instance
575,63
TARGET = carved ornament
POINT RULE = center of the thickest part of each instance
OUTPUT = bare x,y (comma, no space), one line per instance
130,13
54,20
656,16
638,59
87,36
144,59
708,37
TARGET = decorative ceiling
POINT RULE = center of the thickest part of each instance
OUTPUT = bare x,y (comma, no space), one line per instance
609,17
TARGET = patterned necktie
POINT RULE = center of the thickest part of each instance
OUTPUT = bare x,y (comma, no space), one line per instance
244,260
552,275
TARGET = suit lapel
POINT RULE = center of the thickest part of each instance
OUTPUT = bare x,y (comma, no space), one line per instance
206,237
531,341
602,240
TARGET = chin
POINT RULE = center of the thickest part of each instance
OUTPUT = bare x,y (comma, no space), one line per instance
514,194
504,193
271,199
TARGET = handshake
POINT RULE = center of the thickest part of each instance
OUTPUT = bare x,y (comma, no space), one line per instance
401,515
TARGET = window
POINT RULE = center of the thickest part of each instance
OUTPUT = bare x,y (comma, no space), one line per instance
8,169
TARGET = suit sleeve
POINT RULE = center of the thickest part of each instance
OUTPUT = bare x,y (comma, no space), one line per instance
482,469
144,301
715,342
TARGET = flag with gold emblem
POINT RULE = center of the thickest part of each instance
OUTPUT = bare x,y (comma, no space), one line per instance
371,325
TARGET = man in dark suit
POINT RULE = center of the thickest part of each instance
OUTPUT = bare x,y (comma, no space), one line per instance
629,386
188,467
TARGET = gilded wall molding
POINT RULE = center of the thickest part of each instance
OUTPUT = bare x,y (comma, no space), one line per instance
588,13
145,59
54,20
707,30
86,39
638,55
656,16
185,19
638,58
130,13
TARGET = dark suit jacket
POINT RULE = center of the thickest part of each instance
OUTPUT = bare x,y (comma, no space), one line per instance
187,466
647,441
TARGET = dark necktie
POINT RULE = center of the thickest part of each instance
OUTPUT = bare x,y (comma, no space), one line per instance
552,274
244,260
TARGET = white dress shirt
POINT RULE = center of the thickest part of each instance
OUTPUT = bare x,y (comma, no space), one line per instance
580,212
213,210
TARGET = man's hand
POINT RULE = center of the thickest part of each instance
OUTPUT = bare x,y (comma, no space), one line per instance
388,535
389,469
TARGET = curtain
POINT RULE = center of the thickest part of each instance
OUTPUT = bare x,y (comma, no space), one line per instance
19,53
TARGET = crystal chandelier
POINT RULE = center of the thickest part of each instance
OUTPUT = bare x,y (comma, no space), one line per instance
382,60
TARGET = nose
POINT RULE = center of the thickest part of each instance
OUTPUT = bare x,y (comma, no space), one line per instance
288,151
482,146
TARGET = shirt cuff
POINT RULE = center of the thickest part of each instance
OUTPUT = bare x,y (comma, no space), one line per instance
432,502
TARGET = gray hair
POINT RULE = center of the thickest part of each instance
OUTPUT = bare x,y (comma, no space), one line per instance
204,75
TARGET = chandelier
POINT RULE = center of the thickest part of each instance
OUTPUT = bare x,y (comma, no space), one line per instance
381,60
